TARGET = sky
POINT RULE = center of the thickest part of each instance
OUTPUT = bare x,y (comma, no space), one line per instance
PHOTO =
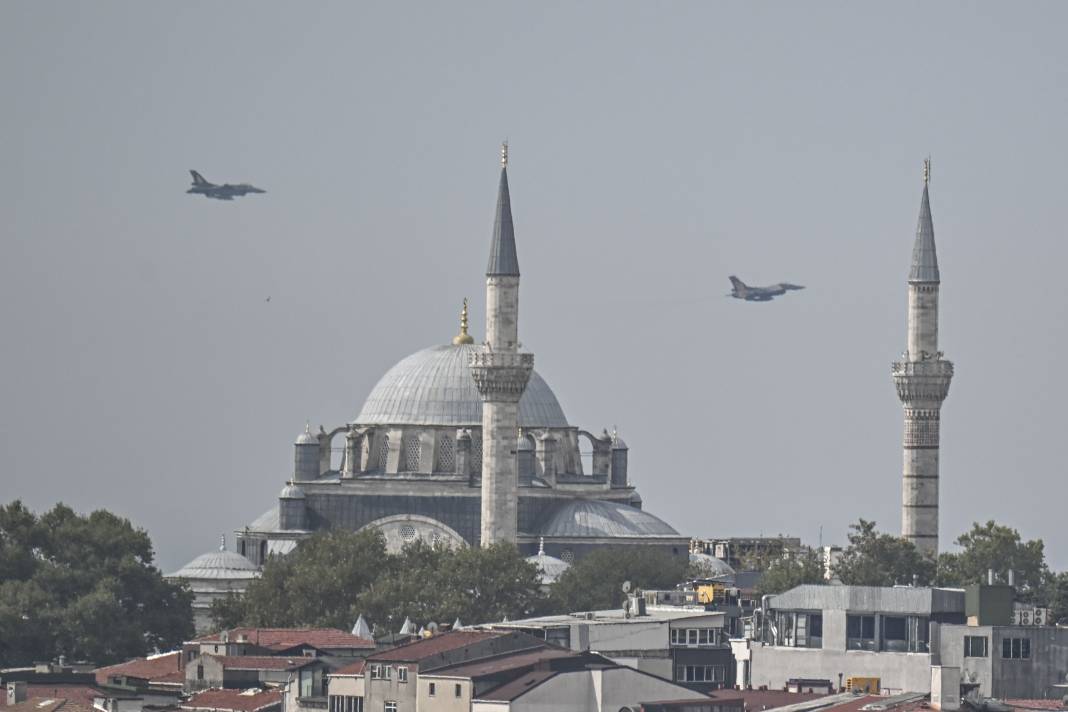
656,148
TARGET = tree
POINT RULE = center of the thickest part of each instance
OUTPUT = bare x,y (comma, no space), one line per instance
785,572
876,559
595,582
1056,597
84,587
993,546
333,577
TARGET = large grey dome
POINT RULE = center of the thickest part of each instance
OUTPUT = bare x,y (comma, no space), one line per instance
434,387
595,518
218,565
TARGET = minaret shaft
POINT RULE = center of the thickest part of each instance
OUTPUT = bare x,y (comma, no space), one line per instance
922,379
501,373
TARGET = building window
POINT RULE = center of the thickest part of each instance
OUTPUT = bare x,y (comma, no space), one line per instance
700,673
390,707
200,672
411,453
402,674
895,634
433,689
860,632
387,672
376,672
691,636
1016,648
976,646
459,690
476,453
446,454
383,452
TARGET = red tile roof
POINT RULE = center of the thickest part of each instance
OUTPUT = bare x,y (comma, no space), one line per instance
262,662
158,668
504,662
237,700
355,668
420,649
285,638
756,700
51,704
72,693
1036,704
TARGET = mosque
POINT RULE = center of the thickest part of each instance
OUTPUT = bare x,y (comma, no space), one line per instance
466,444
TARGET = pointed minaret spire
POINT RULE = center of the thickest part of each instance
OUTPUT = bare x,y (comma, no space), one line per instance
502,258
924,258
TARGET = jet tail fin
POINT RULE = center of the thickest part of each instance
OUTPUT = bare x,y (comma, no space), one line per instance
198,179
737,283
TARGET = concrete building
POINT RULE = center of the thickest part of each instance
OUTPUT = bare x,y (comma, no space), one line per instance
683,644
740,552
839,632
922,379
947,642
464,443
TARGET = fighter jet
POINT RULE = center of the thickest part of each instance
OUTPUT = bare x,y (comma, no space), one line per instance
226,191
759,294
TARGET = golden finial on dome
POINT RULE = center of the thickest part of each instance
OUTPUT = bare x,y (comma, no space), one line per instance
504,154
927,170
463,337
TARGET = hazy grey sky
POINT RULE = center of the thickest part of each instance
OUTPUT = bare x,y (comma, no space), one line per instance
656,148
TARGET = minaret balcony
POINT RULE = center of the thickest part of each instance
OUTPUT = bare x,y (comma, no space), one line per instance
923,382
500,374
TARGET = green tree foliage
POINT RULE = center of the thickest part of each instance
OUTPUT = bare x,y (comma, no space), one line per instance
595,582
84,587
877,559
1055,596
997,547
333,577
784,572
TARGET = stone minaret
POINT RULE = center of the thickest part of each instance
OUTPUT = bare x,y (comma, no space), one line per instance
922,378
501,373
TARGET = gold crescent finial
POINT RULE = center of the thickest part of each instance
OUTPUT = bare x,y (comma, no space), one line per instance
504,154
927,170
463,337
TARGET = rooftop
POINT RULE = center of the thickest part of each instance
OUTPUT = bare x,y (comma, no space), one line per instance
286,638
155,668
505,662
355,669
56,693
263,662
414,652
239,700
52,704
653,614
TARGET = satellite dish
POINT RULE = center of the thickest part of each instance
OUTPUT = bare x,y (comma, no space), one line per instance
626,587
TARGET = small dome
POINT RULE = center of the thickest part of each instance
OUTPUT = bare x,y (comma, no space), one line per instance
595,518
551,568
435,387
307,438
710,565
218,565
291,492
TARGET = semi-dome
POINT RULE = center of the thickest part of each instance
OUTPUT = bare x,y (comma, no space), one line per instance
291,492
434,387
218,565
550,568
600,519
710,565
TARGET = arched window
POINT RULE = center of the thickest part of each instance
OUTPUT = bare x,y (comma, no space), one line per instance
446,454
383,452
411,453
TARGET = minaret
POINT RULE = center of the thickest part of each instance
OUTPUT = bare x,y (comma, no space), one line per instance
922,378
501,373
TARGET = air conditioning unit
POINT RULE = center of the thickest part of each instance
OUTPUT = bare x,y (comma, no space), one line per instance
867,685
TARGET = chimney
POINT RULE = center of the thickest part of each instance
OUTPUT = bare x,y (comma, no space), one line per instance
16,692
